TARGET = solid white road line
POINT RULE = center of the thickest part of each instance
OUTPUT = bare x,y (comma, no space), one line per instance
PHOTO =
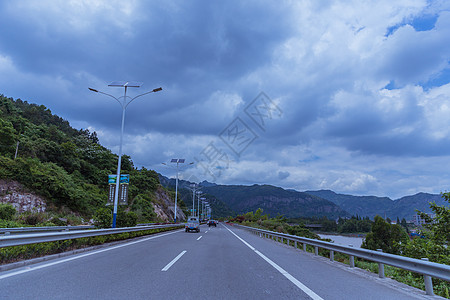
291,278
199,237
173,261
82,255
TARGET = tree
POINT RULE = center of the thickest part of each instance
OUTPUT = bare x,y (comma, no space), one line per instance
439,224
385,236
7,138
258,214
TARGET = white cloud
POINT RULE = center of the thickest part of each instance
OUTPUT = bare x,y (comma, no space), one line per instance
351,77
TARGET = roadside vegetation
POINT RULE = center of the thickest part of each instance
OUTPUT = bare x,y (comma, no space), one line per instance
18,253
67,167
432,242
278,224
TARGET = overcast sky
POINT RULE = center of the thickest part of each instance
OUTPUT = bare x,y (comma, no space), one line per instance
352,96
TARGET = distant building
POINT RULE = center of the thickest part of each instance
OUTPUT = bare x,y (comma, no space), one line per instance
418,221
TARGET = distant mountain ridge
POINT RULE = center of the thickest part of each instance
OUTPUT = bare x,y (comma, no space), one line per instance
239,199
274,201
371,206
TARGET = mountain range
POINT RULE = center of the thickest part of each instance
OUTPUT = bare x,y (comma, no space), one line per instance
371,206
240,199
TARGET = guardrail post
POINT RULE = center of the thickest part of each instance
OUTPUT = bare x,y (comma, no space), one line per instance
304,247
295,244
351,259
331,255
316,250
380,267
428,282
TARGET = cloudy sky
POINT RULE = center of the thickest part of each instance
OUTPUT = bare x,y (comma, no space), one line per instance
352,96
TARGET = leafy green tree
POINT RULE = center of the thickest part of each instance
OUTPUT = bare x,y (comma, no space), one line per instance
439,225
7,138
249,216
385,236
328,225
349,225
258,214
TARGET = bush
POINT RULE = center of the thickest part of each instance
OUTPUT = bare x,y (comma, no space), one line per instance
103,217
32,218
9,224
7,212
126,219
58,221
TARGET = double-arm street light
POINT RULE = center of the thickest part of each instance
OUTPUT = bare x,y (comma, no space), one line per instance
203,199
198,203
124,103
193,187
177,161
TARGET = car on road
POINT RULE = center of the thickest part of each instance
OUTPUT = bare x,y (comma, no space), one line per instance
192,224
212,223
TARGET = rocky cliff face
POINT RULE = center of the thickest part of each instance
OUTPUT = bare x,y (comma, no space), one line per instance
23,200
165,207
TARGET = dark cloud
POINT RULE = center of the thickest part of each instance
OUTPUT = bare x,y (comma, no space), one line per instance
325,66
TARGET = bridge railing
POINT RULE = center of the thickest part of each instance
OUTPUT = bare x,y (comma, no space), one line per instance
421,266
31,238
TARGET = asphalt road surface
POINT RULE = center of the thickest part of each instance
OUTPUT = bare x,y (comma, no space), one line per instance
220,262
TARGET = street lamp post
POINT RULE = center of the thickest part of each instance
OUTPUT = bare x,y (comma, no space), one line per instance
193,198
203,206
124,105
198,203
177,161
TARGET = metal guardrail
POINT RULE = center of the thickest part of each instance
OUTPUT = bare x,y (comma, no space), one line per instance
24,239
421,266
22,230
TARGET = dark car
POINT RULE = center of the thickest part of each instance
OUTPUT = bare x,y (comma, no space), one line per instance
212,223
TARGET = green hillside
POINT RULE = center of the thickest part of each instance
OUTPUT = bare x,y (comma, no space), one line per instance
66,166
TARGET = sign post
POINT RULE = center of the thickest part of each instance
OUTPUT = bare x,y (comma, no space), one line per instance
123,189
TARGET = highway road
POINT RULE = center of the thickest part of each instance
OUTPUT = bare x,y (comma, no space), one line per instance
218,263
